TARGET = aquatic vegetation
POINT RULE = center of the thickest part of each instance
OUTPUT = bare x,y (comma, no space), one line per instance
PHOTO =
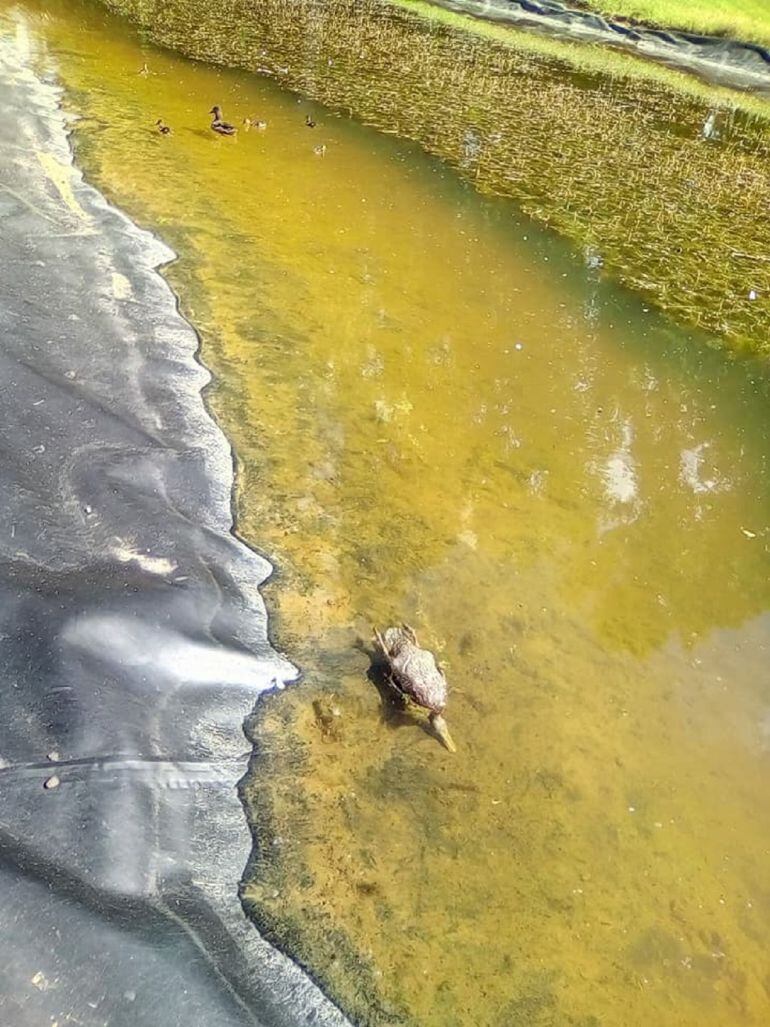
667,180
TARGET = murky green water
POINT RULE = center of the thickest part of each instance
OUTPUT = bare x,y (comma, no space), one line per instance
443,414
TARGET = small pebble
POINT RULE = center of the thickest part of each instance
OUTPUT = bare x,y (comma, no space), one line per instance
51,782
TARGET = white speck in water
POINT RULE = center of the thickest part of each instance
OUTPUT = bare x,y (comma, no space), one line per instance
125,553
468,538
619,472
691,471
537,481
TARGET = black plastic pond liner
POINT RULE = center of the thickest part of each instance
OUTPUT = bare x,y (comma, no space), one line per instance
133,635
721,61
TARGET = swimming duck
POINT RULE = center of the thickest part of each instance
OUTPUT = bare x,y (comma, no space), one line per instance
415,676
309,121
224,128
320,151
144,70
164,129
255,123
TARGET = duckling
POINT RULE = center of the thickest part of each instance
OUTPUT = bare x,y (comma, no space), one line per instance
309,121
320,151
144,70
162,128
254,123
224,128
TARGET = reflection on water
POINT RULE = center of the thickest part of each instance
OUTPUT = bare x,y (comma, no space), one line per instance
442,415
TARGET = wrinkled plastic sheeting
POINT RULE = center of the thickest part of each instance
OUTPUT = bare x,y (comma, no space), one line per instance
134,637
720,61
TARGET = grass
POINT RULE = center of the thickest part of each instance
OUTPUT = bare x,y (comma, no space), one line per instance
746,20
590,59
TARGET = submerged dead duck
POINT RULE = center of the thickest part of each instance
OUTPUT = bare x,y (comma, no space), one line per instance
164,129
415,675
224,128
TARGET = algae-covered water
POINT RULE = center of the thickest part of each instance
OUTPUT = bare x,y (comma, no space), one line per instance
443,414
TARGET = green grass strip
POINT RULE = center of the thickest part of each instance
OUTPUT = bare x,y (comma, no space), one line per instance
745,20
591,58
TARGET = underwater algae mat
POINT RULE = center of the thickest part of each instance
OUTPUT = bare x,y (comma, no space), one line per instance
667,179
442,413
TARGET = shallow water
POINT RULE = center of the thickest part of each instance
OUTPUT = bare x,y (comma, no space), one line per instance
444,415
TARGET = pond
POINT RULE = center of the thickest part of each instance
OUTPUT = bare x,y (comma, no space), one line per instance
444,414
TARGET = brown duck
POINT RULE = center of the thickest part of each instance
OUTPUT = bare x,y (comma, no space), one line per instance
224,128
416,677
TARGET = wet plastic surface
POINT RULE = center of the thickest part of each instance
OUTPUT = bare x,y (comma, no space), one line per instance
722,61
135,639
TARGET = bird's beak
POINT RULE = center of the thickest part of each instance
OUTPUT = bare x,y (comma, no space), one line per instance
442,732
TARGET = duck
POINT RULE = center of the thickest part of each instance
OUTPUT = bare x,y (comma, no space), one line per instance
320,151
415,677
144,70
309,121
224,128
163,129
255,123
